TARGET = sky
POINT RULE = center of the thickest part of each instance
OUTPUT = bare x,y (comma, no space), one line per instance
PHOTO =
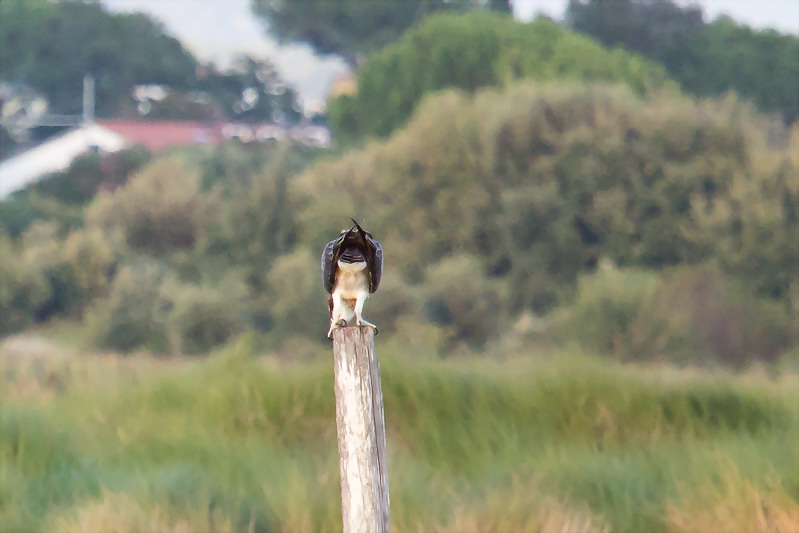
218,30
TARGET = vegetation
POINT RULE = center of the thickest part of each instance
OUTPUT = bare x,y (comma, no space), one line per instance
707,59
46,49
351,29
539,184
539,236
552,442
43,45
470,52
494,208
62,196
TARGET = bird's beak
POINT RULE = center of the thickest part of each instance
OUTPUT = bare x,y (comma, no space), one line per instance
360,230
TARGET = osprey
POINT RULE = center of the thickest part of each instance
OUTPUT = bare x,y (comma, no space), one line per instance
351,268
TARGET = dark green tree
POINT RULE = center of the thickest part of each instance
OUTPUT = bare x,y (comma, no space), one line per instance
353,28
762,65
50,47
252,91
658,29
707,59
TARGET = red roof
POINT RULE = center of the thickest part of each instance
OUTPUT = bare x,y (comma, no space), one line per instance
157,135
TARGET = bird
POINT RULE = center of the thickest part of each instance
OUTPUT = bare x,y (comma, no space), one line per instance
352,265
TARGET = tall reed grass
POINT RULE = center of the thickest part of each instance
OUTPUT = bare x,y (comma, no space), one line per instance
535,442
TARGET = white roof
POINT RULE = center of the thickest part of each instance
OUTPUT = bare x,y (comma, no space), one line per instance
54,155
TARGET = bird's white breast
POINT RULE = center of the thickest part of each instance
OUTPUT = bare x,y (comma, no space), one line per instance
351,280
351,267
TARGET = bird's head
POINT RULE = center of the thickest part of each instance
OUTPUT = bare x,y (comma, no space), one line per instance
353,236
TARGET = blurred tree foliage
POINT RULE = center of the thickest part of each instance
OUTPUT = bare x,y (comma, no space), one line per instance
52,46
538,184
492,206
23,288
354,28
159,212
469,52
134,315
252,91
707,59
89,174
688,315
61,197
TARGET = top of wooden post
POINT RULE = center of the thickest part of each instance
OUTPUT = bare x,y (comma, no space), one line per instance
364,334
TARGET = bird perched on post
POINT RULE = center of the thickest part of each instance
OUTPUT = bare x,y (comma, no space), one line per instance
351,268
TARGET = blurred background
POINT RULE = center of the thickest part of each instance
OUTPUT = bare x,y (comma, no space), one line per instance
589,315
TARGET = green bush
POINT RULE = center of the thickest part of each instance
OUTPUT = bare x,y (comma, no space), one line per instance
134,315
296,299
17,214
23,289
725,317
617,312
689,315
460,298
79,268
204,317
160,209
88,174
254,221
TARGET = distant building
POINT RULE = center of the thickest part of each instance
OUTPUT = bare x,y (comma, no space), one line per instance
156,136
107,136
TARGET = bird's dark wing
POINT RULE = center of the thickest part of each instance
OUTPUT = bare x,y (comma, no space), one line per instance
329,264
375,264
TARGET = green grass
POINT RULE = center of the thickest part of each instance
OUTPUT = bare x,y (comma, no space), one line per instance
548,443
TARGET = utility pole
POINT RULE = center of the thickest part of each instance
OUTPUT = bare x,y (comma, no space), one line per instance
88,99
361,431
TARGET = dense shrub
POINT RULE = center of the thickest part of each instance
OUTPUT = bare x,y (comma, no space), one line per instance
691,315
89,174
17,214
204,317
617,312
462,300
23,288
78,268
538,183
134,314
296,300
23,209
158,211
253,222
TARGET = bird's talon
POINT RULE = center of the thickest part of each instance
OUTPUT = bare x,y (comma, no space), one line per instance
342,323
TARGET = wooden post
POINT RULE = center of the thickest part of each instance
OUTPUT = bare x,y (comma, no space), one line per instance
361,431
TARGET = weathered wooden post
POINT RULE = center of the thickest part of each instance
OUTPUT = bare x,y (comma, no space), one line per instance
361,431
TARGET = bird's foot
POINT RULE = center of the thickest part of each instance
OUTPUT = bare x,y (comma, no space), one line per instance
362,322
333,325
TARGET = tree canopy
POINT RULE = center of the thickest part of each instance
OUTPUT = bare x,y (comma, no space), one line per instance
353,28
707,59
469,52
46,49
51,47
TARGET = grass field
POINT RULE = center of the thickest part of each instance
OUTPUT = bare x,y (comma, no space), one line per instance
552,442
